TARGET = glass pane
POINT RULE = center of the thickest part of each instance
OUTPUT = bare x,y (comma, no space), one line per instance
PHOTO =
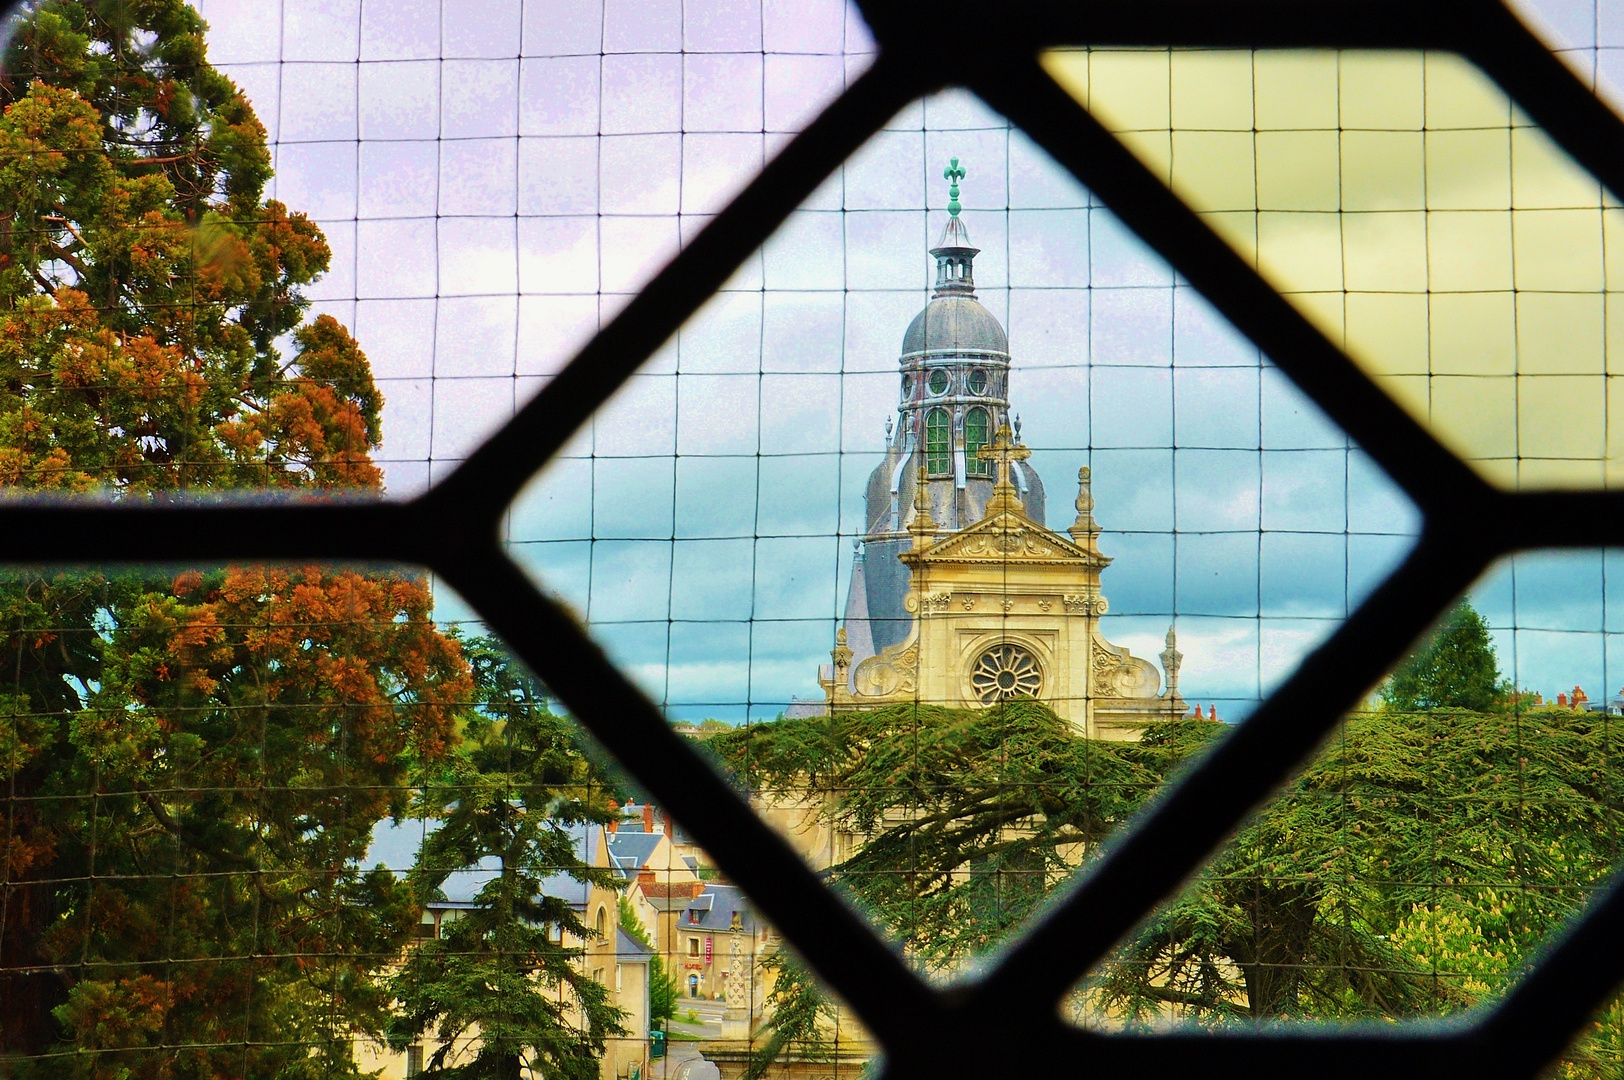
1444,833
1409,210
262,819
494,188
745,528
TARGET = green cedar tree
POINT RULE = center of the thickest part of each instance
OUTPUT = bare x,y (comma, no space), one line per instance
503,975
1410,870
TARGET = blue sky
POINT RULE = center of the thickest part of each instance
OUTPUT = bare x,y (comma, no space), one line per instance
495,187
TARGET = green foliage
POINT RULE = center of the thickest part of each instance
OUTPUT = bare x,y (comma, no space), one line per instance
506,803
664,991
1410,870
1454,669
798,1015
963,781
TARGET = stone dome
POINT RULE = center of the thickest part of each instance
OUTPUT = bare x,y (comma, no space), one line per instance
955,324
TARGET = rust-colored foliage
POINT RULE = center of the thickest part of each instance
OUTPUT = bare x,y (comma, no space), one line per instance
191,763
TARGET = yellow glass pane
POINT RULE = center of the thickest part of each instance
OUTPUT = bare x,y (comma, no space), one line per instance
1473,333
1298,94
1390,325
1385,252
1211,90
1404,205
1383,170
1296,170
1379,91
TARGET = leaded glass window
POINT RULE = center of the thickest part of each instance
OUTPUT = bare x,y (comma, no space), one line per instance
938,443
975,437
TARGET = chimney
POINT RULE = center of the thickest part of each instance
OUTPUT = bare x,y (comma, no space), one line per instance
1212,712
666,820
1579,698
698,887
648,817
645,878
614,822
1561,701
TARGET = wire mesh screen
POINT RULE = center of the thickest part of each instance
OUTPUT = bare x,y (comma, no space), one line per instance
737,539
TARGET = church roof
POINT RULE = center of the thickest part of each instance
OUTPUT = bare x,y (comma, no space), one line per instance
955,324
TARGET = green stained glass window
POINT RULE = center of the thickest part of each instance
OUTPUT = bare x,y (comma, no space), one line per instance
975,437
938,443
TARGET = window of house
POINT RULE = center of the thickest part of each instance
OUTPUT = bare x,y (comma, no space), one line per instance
601,924
938,442
414,1060
693,946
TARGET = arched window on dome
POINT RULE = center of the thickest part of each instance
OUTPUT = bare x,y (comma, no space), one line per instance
975,437
938,443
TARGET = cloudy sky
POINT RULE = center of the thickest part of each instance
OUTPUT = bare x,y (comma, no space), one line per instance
496,179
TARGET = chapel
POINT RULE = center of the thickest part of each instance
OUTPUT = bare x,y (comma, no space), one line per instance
960,595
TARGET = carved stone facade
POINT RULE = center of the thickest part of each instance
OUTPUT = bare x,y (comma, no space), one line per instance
959,593
1005,608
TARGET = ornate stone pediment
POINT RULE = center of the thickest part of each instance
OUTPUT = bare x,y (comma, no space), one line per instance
1121,675
1003,537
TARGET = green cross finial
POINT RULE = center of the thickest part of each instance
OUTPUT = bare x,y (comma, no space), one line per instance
953,174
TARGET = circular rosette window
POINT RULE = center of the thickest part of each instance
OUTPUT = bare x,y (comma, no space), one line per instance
1003,672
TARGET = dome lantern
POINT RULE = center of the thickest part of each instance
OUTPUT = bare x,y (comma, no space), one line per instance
955,257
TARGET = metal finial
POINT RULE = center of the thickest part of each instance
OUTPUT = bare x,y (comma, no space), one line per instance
953,174
1017,427
888,431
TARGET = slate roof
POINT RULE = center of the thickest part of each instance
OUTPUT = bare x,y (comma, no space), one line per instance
395,847
629,851
715,907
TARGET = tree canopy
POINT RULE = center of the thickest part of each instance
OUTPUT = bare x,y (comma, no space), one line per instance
495,976
1409,870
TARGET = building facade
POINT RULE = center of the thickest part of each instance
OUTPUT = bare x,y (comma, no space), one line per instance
960,595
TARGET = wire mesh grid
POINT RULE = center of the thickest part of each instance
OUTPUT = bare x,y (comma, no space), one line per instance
490,189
